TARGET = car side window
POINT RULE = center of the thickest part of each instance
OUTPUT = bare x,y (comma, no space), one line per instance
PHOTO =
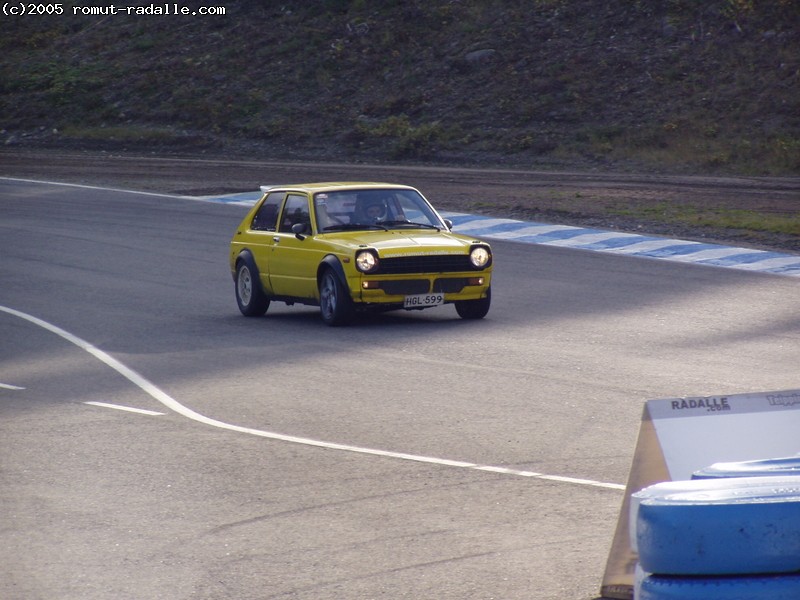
295,210
266,219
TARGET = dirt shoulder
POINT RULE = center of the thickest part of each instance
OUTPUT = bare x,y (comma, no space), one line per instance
687,207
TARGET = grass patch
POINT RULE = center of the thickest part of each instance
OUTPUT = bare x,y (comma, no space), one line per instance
406,140
676,214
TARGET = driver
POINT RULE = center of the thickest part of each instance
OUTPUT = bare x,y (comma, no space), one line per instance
375,210
370,206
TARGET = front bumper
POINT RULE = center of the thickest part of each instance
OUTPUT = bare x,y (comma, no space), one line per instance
392,290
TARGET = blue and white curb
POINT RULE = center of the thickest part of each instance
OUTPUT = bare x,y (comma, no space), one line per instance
612,242
632,244
241,199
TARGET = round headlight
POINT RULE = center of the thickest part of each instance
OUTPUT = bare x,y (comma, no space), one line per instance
479,256
366,261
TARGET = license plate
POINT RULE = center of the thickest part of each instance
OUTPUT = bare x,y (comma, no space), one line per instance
423,300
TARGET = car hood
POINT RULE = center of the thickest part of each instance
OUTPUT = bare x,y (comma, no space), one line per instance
397,242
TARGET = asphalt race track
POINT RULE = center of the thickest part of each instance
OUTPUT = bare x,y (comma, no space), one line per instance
411,455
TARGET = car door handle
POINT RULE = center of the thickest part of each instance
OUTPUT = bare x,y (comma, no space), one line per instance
276,239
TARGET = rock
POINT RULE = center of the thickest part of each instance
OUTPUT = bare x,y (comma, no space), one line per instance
480,56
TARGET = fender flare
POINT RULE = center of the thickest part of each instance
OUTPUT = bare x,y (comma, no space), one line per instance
245,255
332,262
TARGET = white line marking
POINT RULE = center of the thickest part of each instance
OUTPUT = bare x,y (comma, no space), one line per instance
95,187
145,385
126,408
8,386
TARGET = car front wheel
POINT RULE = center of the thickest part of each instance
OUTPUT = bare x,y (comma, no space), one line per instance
335,304
252,300
474,309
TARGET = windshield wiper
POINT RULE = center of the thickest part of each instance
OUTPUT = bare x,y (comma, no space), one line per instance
408,223
352,226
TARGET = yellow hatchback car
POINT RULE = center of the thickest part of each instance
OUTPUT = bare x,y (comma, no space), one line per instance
356,246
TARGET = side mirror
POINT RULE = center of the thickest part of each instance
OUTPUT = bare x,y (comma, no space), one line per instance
449,224
298,229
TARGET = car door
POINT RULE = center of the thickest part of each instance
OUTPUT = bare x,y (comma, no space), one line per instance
293,263
262,235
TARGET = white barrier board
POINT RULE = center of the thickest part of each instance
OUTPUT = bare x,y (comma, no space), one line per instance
695,432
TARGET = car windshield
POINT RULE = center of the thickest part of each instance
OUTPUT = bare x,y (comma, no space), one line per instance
380,209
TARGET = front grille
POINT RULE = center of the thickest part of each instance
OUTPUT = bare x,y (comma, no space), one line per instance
443,263
403,287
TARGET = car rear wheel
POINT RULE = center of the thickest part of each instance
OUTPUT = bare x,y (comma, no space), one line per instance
474,309
335,304
252,300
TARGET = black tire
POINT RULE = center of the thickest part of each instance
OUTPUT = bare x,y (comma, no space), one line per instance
474,309
335,305
250,296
